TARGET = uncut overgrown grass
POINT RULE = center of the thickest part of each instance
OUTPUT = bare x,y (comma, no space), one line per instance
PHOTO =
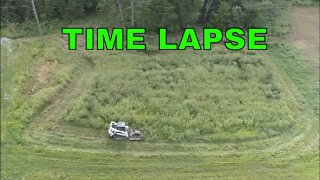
194,96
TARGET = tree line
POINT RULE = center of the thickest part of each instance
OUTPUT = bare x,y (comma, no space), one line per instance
175,15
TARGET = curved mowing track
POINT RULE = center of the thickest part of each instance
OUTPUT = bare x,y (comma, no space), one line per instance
85,153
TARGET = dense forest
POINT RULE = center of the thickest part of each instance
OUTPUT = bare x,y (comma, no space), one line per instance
175,15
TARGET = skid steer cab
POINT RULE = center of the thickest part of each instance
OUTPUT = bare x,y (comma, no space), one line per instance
120,131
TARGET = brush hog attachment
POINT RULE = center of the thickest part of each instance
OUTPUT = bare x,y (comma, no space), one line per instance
135,135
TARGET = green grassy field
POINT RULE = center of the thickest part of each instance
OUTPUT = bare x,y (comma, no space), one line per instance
205,114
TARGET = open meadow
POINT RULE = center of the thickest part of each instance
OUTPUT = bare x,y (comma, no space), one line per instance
204,114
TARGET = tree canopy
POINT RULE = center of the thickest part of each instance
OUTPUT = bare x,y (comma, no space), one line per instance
152,14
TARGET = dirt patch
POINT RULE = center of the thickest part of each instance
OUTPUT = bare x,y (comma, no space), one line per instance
305,26
41,77
42,73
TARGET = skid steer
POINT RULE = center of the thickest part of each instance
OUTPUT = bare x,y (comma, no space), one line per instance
120,131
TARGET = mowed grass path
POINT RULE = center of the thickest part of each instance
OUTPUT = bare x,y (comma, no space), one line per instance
305,26
55,151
